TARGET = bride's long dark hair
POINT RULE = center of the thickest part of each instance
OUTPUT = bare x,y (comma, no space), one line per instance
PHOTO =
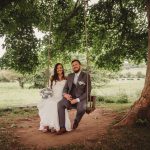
55,76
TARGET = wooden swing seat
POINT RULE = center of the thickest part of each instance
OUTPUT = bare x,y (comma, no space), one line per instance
91,107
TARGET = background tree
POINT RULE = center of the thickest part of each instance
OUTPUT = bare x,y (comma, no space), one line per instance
16,23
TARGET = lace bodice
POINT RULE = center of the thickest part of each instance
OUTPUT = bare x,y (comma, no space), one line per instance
58,89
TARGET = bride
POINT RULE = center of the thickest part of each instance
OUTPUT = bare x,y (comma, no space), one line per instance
47,107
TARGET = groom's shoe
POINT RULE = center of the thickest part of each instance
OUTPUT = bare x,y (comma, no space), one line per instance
61,131
75,125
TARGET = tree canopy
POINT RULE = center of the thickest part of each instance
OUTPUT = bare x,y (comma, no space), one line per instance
117,31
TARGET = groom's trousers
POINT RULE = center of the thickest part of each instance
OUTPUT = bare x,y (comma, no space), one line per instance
63,104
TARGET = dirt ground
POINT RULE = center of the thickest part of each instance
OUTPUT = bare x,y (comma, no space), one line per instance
91,126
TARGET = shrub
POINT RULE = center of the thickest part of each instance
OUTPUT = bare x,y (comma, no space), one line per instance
100,98
122,101
109,100
106,99
40,79
139,74
128,75
123,98
3,79
130,79
9,75
120,98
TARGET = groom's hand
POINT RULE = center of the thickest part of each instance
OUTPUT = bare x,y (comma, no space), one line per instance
73,101
67,96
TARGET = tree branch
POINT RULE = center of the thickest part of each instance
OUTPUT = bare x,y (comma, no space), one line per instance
4,3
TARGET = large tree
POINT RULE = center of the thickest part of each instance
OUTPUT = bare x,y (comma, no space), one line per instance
117,31
141,108
120,31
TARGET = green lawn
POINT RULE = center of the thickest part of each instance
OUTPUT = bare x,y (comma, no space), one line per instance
12,95
130,87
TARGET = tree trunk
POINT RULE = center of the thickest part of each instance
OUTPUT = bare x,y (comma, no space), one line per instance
21,82
141,108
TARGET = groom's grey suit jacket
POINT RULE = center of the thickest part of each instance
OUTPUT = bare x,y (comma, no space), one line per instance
81,86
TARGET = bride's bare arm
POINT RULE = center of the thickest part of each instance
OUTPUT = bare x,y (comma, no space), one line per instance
65,91
66,88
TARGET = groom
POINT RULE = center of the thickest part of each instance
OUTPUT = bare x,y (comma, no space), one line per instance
74,95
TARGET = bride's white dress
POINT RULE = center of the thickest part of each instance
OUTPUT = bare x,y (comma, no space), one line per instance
48,110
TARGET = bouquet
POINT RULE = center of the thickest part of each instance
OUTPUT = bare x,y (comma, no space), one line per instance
46,92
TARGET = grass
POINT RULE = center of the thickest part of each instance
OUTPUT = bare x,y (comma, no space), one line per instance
8,116
120,98
132,88
136,138
116,107
18,112
12,95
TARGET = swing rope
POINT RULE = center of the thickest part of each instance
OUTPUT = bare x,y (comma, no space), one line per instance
90,99
85,2
49,40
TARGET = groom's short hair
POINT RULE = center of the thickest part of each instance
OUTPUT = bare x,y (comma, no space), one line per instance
76,60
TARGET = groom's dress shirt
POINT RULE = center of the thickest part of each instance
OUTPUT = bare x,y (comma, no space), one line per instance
76,77
76,80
